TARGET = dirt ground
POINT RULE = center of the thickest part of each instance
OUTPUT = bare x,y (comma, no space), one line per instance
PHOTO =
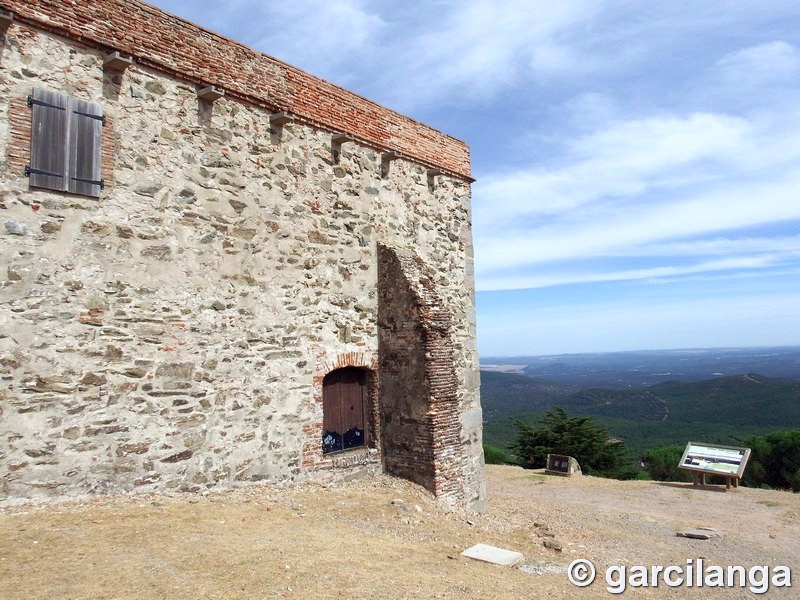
386,538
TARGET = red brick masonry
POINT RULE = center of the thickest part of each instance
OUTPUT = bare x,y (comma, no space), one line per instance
167,43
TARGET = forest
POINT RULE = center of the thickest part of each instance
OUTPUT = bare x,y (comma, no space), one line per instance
642,431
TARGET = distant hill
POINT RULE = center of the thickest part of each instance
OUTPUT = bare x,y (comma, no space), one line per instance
721,410
626,369
505,394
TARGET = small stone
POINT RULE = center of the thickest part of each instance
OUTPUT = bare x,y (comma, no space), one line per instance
544,532
697,534
72,433
50,226
124,231
552,544
105,430
180,456
93,227
16,228
217,305
112,352
237,206
155,87
315,237
147,190
93,379
157,252
186,196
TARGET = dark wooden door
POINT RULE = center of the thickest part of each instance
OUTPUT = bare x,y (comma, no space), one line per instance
343,397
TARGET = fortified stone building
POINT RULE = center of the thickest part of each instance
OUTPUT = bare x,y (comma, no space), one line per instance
216,268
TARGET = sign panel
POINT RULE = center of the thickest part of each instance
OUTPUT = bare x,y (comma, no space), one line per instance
558,462
718,460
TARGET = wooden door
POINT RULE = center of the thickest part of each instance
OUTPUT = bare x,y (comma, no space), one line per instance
343,397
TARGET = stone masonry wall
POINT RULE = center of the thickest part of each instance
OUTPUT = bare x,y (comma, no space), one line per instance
174,333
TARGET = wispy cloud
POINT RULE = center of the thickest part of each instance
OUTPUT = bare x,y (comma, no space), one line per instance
629,229
762,63
716,246
323,37
549,278
625,159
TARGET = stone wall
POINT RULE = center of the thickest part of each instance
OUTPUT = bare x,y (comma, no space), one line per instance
175,332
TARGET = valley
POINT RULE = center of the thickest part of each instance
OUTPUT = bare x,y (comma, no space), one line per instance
649,399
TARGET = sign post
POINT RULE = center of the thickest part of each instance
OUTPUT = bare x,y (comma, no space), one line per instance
728,462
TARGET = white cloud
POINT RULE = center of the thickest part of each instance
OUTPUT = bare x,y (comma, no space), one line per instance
323,37
757,64
548,279
333,39
626,229
715,247
624,160
476,49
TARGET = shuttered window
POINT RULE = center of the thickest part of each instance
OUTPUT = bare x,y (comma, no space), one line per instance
66,143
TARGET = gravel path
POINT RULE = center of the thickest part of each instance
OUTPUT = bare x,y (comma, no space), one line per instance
386,538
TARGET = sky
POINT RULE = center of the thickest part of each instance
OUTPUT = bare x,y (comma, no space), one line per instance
637,164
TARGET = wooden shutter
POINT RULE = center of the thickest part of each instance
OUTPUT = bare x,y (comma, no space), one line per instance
66,143
85,146
49,140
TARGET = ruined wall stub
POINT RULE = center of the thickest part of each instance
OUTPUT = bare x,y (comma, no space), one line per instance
174,333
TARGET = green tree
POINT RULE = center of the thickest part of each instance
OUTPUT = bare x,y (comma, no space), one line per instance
774,460
662,464
579,437
496,456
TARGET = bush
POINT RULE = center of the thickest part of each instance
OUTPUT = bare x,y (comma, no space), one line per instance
662,464
579,437
496,456
774,460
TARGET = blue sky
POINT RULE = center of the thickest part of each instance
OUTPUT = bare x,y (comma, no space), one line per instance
637,163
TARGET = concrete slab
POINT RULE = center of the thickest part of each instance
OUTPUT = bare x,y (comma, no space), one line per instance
697,534
491,554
